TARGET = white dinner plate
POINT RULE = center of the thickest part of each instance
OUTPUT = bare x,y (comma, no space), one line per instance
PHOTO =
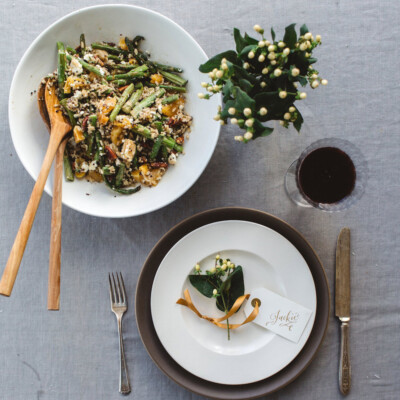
269,260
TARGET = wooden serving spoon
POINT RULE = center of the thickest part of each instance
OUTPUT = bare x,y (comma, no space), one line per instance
59,128
53,292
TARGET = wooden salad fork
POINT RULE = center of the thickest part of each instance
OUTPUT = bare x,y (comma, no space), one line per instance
119,305
53,292
59,128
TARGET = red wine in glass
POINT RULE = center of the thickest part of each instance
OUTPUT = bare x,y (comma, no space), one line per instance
326,175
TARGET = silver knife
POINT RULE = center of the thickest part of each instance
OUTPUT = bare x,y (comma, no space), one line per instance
342,306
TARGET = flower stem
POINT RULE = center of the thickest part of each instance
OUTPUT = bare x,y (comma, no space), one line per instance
227,321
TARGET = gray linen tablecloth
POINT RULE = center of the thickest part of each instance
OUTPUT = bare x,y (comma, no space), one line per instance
72,354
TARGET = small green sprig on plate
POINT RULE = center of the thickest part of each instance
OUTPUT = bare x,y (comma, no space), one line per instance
260,80
224,282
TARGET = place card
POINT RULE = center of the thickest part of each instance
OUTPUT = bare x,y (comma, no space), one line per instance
278,314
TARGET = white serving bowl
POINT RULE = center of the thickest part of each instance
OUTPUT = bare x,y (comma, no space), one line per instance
168,43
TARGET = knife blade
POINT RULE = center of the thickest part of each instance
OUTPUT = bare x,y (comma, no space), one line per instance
342,306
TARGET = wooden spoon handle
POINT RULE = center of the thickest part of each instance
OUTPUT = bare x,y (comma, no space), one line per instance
17,251
53,294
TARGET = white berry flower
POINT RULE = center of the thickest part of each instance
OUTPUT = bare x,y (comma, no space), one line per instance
286,51
308,44
212,270
261,58
258,28
234,121
249,122
246,65
251,54
295,84
287,116
278,72
224,66
261,43
324,82
281,44
210,88
303,47
295,71
264,71
263,84
223,267
267,43
263,111
318,38
233,265
219,74
273,62
215,292
292,109
282,94
217,117
303,95
314,76
232,110
228,264
197,267
204,84
314,84
271,48
307,36
282,123
201,95
211,75
248,135
217,257
271,56
247,112
222,122
239,138
307,55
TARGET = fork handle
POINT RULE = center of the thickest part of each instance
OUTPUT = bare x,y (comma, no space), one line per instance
124,384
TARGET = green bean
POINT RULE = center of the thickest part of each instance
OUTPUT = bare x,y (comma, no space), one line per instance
125,66
108,48
91,137
82,43
120,82
164,152
127,107
86,65
121,190
69,175
156,148
170,99
158,125
167,68
146,102
113,57
61,68
169,142
120,175
70,114
121,101
178,80
169,87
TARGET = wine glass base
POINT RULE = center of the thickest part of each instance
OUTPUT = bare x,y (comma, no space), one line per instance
291,188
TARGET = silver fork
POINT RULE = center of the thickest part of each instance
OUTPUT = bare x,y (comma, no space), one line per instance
119,305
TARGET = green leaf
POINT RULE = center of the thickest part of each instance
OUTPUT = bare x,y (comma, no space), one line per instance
303,30
302,80
231,289
249,39
273,34
239,40
266,98
245,85
224,113
260,129
247,50
312,60
298,122
215,62
290,37
227,91
243,100
241,73
205,284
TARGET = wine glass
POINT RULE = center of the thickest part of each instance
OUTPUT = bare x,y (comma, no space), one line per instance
330,175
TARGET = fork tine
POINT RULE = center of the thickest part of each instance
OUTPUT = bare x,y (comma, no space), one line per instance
121,282
117,291
112,296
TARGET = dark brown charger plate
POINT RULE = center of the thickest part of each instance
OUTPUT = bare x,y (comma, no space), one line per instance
210,389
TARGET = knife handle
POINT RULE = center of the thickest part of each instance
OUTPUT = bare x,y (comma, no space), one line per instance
344,367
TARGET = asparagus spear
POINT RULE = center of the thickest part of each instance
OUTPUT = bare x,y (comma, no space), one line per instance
127,107
167,68
120,175
169,142
136,72
69,175
122,100
169,87
156,148
109,49
61,68
170,99
113,57
70,114
146,102
82,43
178,80
86,65
91,137
70,50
